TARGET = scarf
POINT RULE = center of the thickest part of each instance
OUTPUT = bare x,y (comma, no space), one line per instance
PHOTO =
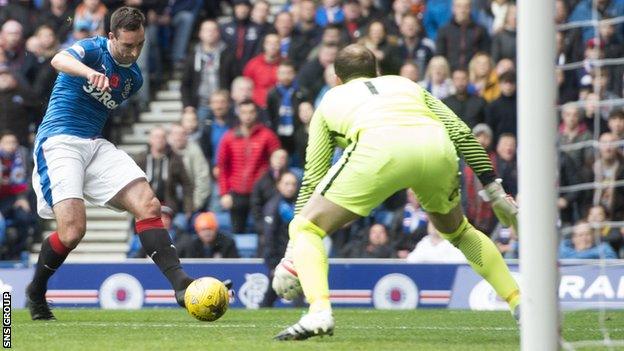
13,171
286,112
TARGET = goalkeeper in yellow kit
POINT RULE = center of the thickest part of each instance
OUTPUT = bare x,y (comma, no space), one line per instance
396,136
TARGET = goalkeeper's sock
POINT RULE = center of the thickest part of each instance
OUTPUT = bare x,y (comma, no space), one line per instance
486,260
310,261
52,255
158,246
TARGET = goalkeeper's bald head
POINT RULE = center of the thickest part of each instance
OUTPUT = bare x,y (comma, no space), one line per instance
355,61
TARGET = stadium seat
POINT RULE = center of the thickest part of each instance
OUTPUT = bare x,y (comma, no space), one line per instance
247,244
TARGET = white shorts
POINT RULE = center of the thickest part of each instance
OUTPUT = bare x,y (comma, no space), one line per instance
69,167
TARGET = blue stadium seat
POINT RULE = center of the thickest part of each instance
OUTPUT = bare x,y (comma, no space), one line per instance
247,244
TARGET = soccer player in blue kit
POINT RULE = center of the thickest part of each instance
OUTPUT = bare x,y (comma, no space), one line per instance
73,162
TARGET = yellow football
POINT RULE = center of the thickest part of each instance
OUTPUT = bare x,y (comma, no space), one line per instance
206,299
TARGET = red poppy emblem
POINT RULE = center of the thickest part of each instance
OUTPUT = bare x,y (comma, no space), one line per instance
114,81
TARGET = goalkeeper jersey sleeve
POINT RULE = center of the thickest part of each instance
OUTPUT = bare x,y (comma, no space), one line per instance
465,142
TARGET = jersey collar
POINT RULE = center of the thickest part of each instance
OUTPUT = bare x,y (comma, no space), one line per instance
108,47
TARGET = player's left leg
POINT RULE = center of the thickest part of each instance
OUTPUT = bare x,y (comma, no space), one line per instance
139,199
307,230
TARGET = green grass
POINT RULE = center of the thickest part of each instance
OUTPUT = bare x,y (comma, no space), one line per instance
356,329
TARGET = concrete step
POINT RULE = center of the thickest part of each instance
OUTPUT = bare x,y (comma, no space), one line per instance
174,84
163,117
140,139
132,149
143,127
120,225
105,213
169,95
166,106
114,236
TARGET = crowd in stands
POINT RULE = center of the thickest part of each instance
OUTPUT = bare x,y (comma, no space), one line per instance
251,74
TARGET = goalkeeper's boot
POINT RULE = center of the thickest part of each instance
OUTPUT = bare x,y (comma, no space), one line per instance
38,306
312,324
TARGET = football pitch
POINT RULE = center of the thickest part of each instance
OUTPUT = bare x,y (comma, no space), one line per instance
356,329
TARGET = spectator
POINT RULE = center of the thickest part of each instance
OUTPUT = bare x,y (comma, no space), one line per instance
283,103
262,69
181,14
45,46
195,165
500,115
433,249
505,163
14,190
330,81
241,35
19,105
608,168
166,174
400,8
572,131
459,40
597,217
437,78
414,46
596,116
572,203
20,62
136,250
386,52
582,245
616,124
191,126
333,34
209,241
260,16
329,12
504,41
570,42
90,16
308,33
594,52
354,22
301,134
465,103
376,245
370,10
207,69
242,90
478,211
584,11
437,14
217,125
284,27
414,226
410,71
484,77
242,158
57,14
311,73
506,240
276,215
265,188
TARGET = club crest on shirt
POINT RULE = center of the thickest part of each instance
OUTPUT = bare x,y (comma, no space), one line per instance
114,81
127,88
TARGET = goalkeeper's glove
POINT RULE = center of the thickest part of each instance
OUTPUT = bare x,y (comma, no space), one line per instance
503,205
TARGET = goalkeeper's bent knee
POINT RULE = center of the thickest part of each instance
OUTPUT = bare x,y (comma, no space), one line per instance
300,224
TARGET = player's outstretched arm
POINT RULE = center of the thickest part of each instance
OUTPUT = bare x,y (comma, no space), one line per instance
476,157
66,63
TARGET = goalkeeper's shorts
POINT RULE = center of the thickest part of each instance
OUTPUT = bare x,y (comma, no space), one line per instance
383,161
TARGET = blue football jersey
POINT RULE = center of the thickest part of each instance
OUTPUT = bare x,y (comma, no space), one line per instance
76,107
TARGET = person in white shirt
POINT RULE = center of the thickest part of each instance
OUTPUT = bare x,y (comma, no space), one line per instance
434,249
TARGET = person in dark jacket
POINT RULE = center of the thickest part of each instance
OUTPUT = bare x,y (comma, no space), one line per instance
19,105
209,242
283,104
311,73
208,68
500,115
278,213
504,42
58,15
466,104
241,35
165,173
376,245
459,40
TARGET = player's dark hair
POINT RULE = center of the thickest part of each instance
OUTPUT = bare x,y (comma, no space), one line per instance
127,18
355,61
